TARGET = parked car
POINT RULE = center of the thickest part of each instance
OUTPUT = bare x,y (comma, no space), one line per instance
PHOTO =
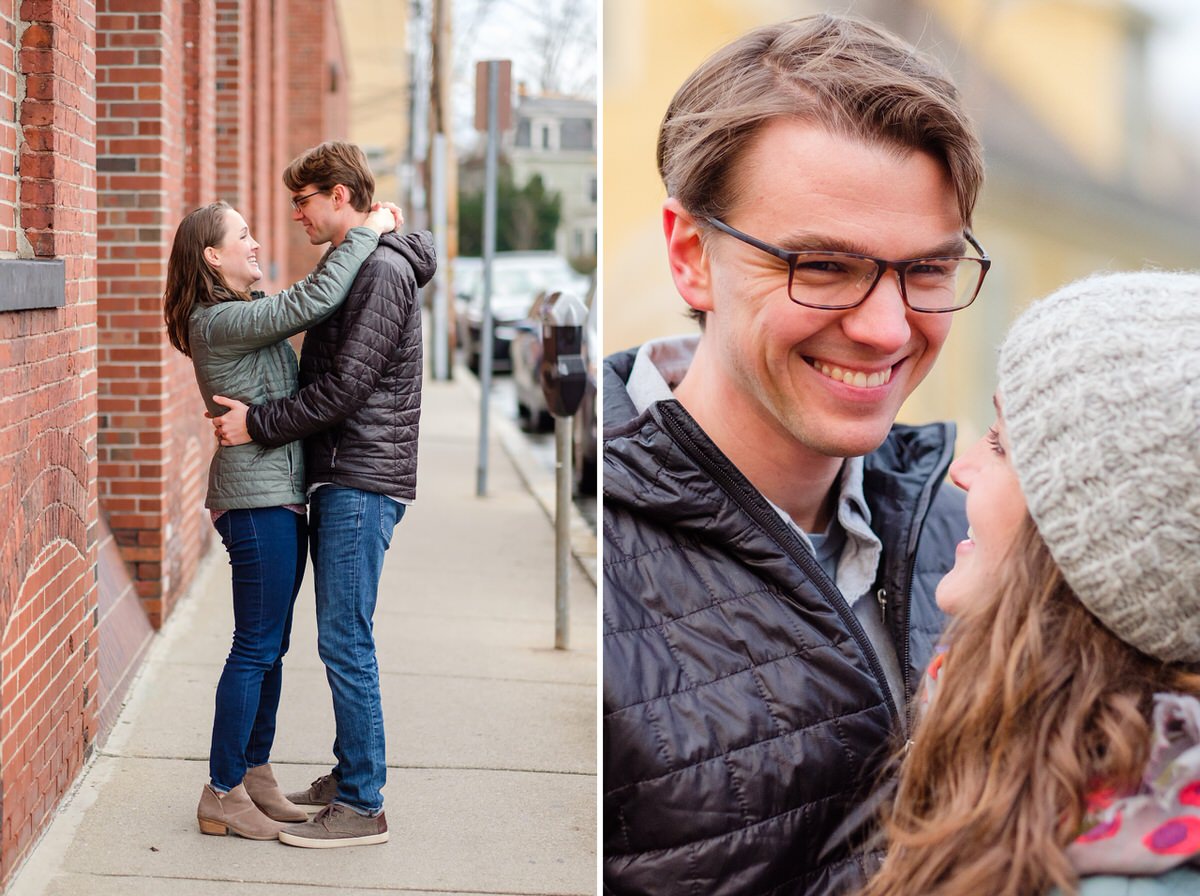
525,353
517,278
532,413
468,277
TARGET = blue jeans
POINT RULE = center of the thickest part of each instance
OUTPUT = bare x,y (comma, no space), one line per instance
266,548
350,532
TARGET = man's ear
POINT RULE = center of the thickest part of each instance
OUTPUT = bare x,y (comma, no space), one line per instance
340,195
686,255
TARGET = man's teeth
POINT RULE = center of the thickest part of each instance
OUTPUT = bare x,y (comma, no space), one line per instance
970,534
855,377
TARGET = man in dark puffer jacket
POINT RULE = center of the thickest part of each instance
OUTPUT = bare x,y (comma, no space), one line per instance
358,411
771,539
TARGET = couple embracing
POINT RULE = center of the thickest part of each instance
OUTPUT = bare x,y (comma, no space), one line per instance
338,432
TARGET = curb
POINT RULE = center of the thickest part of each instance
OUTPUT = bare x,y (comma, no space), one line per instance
540,482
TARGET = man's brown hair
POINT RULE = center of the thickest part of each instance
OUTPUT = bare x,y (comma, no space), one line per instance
329,164
846,75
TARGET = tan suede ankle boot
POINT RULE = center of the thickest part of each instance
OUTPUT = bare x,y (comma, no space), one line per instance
260,784
219,813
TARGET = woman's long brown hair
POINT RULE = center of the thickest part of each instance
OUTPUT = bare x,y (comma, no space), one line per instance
1037,705
191,281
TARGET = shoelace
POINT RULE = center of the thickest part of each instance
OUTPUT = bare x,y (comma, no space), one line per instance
329,812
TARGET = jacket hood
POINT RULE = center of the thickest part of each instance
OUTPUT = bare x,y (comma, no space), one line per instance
1157,828
417,249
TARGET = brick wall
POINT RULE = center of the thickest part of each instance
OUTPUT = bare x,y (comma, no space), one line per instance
199,77
116,118
317,103
9,129
152,452
48,387
233,86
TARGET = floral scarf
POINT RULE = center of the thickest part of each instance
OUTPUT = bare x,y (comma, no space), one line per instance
1157,827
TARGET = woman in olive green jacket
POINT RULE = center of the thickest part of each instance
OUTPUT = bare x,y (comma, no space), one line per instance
1059,750
237,340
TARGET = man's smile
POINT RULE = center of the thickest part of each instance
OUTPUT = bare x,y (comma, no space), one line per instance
851,377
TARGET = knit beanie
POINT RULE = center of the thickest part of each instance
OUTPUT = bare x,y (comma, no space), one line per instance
1100,390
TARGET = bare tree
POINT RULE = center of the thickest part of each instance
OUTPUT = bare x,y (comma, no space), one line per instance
554,46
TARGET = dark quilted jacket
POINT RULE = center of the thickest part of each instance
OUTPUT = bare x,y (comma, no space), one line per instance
745,712
359,403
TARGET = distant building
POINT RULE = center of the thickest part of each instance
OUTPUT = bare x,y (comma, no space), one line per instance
556,138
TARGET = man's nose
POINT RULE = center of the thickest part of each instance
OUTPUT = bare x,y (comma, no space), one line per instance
881,321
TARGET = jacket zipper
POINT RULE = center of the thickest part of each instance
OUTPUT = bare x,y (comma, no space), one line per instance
906,660
778,529
881,597
920,513
287,451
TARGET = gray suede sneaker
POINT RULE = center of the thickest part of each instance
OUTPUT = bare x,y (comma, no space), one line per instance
321,792
336,825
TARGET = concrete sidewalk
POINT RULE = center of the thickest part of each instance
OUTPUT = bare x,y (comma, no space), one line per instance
491,731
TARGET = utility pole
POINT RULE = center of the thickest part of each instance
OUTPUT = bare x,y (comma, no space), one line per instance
444,201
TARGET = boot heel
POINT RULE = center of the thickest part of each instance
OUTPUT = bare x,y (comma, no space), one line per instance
213,827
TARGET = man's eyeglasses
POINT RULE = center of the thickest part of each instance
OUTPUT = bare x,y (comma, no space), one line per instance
298,201
836,281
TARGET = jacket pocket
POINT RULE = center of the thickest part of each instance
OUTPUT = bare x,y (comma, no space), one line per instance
291,464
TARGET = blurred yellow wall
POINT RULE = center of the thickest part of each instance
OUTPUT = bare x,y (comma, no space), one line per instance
375,36
1063,59
649,48
1084,195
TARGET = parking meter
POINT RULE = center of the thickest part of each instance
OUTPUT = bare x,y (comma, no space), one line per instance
564,374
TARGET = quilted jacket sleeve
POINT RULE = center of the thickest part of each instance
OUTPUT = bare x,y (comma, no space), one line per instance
370,330
245,326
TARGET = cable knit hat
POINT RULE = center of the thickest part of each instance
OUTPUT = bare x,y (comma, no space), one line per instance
1100,389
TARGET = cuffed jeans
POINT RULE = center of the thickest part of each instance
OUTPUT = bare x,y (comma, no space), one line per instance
266,548
350,532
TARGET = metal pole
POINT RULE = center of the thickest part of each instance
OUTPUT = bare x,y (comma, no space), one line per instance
441,298
489,251
562,528
415,212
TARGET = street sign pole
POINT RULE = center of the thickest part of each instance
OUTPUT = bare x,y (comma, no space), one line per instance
441,297
489,251
493,114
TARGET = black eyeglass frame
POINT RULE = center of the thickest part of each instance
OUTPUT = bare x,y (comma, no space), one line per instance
882,266
298,201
